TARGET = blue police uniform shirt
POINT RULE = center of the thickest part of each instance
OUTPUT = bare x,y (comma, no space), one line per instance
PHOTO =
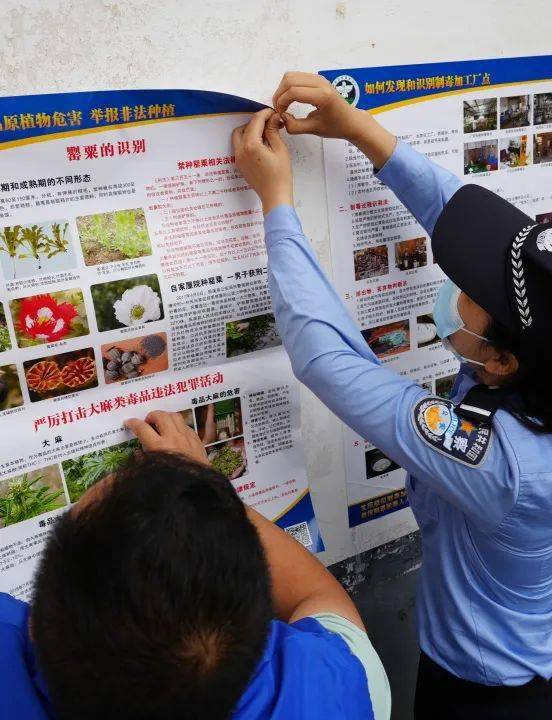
306,672
481,496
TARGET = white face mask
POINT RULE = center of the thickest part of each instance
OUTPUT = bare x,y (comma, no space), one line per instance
448,319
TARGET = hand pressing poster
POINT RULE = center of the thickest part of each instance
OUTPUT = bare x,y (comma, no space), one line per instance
132,278
490,123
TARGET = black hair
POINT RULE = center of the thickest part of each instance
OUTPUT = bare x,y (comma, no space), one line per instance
528,396
152,602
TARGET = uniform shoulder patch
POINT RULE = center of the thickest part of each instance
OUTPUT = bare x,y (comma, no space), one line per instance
438,425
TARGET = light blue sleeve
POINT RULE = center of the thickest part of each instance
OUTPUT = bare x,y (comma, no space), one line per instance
330,356
420,184
359,644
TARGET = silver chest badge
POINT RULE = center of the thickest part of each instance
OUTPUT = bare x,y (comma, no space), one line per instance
544,240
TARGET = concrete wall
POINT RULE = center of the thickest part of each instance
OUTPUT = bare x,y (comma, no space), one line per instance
244,46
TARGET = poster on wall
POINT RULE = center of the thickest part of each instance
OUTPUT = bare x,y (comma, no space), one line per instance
132,278
490,123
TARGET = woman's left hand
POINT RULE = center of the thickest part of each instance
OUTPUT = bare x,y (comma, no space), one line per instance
263,159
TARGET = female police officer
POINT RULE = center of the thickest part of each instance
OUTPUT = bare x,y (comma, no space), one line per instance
480,465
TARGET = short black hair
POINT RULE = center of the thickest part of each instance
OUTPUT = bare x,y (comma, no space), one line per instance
152,602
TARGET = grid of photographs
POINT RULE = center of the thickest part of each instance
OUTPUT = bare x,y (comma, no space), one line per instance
49,321
511,150
219,425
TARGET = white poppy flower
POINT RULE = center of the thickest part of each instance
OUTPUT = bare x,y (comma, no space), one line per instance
137,305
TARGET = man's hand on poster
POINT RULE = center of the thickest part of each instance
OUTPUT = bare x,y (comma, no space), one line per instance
168,432
263,159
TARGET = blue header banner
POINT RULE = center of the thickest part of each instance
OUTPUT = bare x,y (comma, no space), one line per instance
372,88
30,116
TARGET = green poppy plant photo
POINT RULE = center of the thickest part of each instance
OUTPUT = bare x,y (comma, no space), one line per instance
112,236
31,494
29,250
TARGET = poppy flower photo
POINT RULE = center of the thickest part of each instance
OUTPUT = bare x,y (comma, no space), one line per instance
60,374
127,303
47,318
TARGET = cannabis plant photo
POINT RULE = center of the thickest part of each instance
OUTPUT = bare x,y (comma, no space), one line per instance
84,471
31,494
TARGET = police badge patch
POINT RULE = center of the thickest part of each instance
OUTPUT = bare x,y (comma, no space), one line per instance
437,424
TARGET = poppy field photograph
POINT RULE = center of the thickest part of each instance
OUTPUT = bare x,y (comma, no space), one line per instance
127,303
61,374
108,237
49,317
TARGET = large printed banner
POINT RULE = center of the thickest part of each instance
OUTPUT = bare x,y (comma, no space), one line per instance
132,278
489,122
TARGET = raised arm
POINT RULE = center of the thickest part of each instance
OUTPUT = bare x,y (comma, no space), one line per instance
420,184
330,356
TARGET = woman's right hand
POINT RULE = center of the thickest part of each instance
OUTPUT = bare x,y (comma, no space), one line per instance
333,116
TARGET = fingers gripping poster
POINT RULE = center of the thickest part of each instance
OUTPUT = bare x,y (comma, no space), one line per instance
490,123
133,278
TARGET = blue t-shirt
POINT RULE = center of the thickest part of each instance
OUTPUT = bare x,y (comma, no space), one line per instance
306,672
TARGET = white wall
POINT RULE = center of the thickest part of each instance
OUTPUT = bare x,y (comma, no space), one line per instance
244,46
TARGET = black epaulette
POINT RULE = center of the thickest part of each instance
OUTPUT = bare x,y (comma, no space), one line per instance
480,403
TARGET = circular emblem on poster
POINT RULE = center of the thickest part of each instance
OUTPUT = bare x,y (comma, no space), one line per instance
348,88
